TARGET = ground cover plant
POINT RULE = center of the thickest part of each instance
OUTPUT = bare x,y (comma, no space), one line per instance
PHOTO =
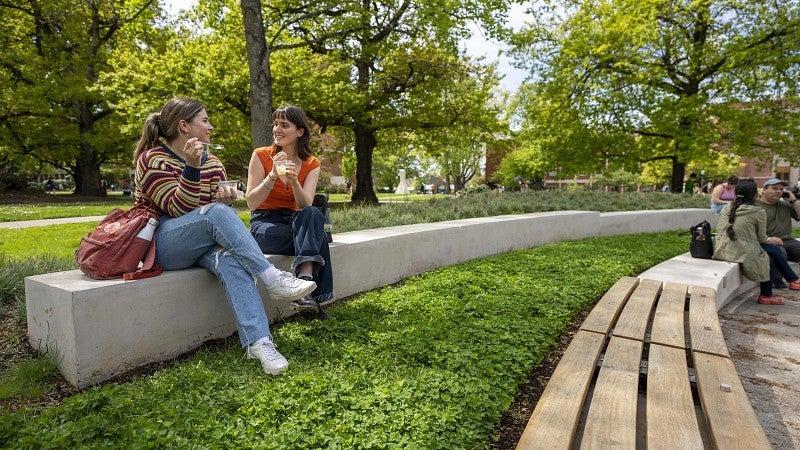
432,362
28,379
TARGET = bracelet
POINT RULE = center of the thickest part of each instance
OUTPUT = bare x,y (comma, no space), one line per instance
267,185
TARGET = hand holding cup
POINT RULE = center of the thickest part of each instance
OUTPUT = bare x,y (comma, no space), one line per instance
227,192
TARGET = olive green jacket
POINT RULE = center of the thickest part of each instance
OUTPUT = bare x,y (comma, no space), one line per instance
751,231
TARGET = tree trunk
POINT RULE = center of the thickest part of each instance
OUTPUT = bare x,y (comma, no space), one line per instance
678,171
258,61
87,173
365,145
87,167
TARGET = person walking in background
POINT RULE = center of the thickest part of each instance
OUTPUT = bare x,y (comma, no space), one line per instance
178,178
781,207
281,184
742,238
688,187
723,193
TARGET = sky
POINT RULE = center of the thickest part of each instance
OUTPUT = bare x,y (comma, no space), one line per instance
477,46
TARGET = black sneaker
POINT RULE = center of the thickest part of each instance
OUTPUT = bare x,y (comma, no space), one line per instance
305,304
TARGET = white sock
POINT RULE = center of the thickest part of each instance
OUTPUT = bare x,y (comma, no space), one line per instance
269,276
263,339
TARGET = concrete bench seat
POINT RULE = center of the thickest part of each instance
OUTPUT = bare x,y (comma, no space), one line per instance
645,365
98,329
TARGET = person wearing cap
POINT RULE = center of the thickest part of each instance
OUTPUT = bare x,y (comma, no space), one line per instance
723,193
742,238
781,206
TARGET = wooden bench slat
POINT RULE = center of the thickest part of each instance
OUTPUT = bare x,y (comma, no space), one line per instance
632,323
668,322
607,309
611,420
705,331
671,417
555,419
730,417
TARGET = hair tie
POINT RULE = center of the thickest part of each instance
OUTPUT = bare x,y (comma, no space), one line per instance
161,131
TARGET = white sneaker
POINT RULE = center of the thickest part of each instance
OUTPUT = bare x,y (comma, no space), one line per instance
272,362
288,287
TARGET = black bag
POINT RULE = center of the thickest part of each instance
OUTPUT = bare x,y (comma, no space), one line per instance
321,202
701,245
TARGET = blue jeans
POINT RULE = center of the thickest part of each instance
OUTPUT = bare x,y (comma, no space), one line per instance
779,264
215,238
300,234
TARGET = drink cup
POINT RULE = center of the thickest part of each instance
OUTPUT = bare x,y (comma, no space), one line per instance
280,166
233,184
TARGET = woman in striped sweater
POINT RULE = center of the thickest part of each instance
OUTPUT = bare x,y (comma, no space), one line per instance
177,176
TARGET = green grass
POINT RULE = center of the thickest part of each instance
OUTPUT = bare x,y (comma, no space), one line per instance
385,372
429,363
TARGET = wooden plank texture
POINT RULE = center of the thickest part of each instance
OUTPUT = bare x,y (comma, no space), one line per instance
668,321
671,419
555,419
611,420
705,331
607,309
729,415
632,323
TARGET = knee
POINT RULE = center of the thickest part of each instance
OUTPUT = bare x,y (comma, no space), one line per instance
220,212
310,214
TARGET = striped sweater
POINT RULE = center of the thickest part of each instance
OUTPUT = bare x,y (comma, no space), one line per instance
175,189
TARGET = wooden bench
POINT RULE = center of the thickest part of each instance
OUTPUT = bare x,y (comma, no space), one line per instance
648,368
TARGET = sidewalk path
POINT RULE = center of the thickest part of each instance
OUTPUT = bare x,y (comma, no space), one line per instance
764,343
46,222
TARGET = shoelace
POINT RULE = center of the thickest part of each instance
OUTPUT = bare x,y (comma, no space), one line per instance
288,279
271,349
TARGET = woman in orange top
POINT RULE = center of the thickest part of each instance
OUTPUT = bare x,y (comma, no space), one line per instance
284,222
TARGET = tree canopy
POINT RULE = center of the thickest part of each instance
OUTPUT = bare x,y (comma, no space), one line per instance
55,107
631,81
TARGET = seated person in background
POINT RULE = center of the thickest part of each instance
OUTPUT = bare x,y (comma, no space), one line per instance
781,207
281,184
724,193
742,238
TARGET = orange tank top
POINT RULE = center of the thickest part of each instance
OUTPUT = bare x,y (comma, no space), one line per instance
282,195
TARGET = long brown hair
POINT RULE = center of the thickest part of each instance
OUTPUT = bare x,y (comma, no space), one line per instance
296,115
746,191
164,124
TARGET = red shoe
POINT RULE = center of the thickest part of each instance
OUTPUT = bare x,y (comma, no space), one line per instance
770,300
795,285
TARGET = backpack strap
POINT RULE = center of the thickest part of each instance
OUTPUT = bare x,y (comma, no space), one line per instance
149,269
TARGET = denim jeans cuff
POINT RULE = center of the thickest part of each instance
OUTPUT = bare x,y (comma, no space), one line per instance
303,259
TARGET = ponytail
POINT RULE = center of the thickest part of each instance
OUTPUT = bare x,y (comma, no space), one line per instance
164,124
150,136
732,216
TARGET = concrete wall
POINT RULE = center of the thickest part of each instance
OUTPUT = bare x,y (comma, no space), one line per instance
98,329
